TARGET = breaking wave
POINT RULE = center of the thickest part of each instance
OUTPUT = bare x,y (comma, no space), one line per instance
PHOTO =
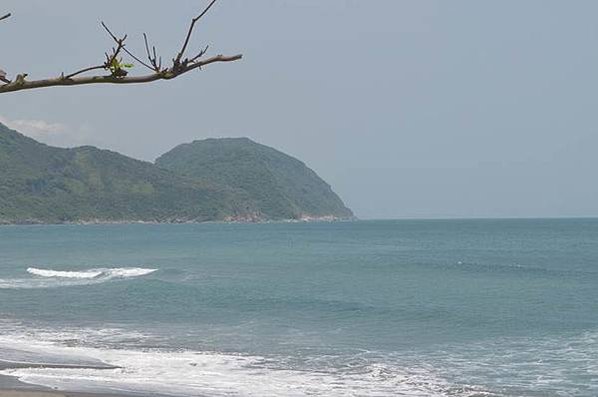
123,272
49,278
183,372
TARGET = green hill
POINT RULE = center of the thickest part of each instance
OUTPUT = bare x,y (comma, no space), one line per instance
39,183
44,184
279,186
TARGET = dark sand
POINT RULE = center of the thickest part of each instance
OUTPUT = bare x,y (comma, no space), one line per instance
11,387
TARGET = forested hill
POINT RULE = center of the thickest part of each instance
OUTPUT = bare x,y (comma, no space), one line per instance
44,184
279,186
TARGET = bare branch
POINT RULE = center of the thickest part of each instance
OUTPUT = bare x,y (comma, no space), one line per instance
178,58
118,41
201,53
89,69
3,77
22,84
156,65
118,73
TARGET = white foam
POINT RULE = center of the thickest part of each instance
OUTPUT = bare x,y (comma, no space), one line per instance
49,278
193,373
126,272
64,274
123,272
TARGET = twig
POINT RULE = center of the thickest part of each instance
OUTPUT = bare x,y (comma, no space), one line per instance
193,22
89,69
157,66
124,49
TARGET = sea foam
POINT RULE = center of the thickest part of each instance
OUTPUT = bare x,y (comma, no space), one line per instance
64,274
123,272
72,358
49,278
191,373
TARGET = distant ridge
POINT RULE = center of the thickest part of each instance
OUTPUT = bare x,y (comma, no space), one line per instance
44,184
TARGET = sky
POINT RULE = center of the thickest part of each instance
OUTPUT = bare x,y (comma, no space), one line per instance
409,109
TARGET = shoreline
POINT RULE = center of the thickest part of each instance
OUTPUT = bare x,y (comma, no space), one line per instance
12,387
321,219
26,392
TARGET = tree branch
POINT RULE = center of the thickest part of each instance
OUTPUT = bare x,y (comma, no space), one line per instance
118,73
89,69
154,60
193,22
3,78
20,85
121,44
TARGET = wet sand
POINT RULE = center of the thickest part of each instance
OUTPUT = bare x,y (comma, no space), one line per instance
24,393
30,393
11,387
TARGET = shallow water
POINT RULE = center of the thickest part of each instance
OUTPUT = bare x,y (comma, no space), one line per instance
415,308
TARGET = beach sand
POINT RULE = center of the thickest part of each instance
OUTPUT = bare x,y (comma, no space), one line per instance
25,393
30,393
10,387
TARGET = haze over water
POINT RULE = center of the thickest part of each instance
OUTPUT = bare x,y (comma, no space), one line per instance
428,308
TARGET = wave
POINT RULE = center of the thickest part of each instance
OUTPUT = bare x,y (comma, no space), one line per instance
192,373
547,366
63,274
49,278
122,272
105,360
213,374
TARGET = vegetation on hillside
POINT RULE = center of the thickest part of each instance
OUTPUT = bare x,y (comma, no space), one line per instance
39,183
280,186
43,184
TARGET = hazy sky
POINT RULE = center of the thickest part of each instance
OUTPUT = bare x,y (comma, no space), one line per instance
407,108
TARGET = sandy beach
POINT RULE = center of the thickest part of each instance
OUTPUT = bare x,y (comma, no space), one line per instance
30,393
24,393
11,387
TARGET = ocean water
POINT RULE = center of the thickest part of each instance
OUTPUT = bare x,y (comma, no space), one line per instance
366,308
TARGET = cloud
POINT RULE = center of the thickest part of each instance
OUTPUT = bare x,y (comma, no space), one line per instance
52,133
34,127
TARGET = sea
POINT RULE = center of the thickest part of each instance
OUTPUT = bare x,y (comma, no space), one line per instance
362,308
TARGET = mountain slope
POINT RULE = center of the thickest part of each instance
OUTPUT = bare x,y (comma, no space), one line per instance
39,183
211,180
278,185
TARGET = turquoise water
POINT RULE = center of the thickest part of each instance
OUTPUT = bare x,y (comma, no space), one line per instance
384,308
